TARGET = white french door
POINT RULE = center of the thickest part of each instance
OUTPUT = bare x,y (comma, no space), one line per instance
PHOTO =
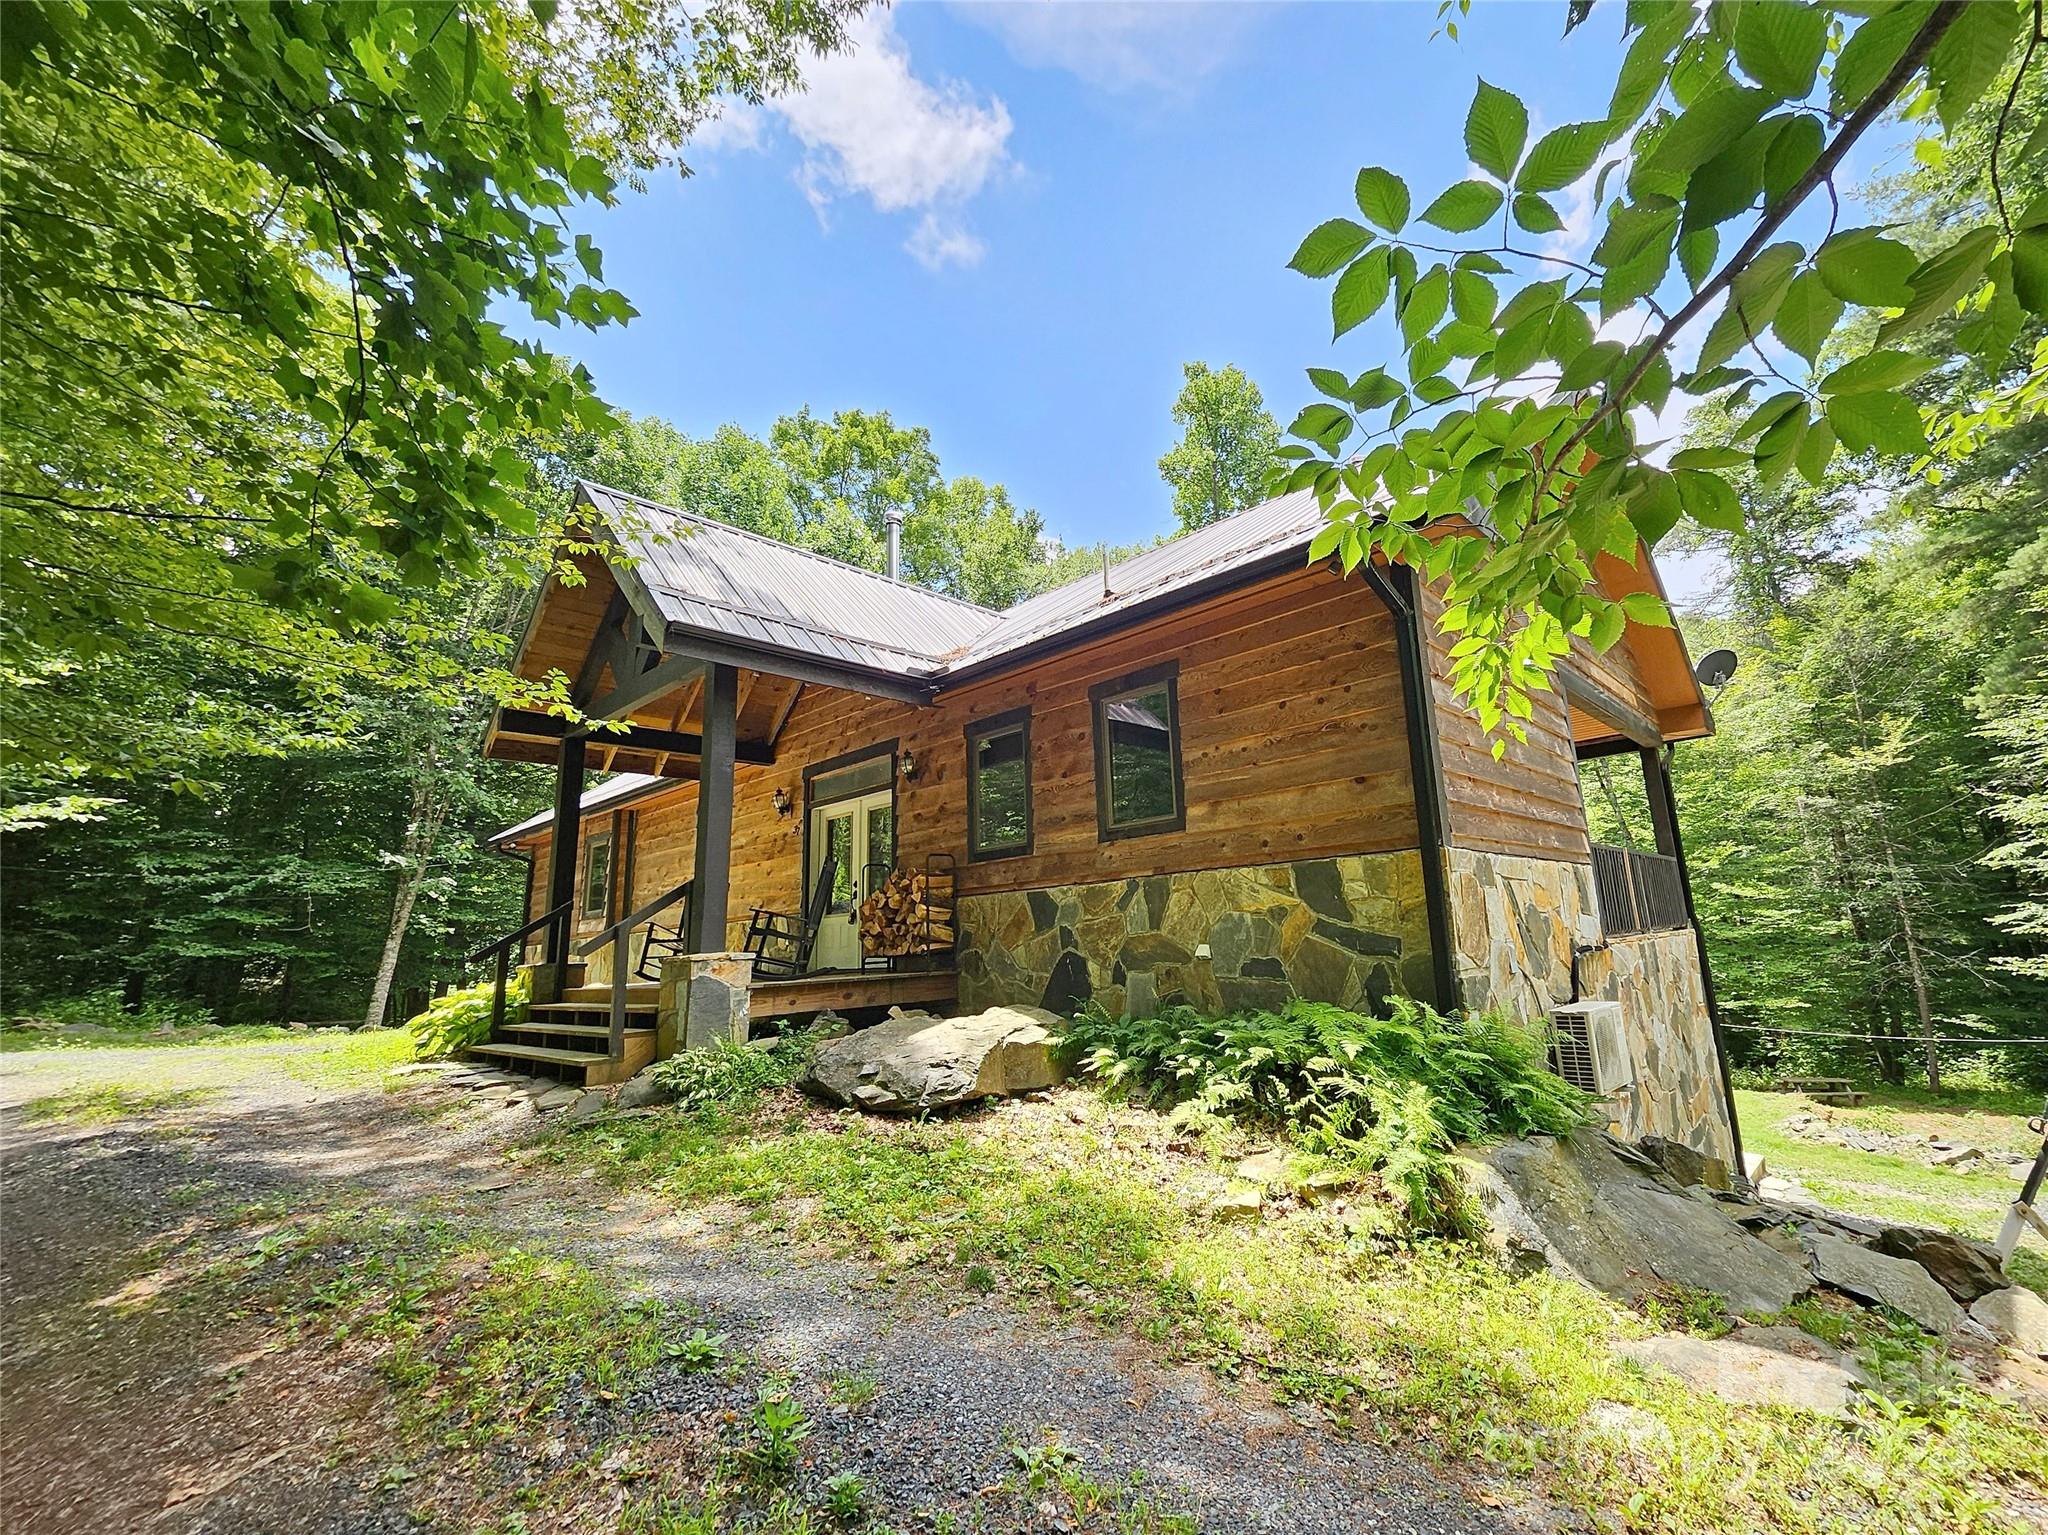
855,832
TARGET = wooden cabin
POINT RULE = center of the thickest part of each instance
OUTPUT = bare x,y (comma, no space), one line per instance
1209,774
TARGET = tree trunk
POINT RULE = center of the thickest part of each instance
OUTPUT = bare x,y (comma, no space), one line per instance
423,829
1918,972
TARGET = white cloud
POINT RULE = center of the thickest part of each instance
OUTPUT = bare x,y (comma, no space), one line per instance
739,127
1118,45
942,241
871,128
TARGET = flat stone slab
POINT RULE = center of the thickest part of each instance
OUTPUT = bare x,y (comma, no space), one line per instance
2016,1317
1755,1367
557,1098
1964,1268
1572,1204
913,1062
1871,1276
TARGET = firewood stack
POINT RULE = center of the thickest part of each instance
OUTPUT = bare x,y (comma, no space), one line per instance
908,914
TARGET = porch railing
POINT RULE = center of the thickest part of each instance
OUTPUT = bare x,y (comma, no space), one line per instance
557,924
1638,892
620,935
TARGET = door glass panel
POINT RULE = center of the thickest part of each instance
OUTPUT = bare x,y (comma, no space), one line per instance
839,844
881,847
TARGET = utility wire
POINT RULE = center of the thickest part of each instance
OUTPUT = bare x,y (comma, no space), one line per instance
1883,1039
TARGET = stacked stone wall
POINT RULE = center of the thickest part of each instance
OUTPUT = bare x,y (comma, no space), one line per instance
1351,930
1516,922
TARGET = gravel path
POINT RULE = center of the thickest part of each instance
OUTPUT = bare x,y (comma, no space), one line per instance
130,1419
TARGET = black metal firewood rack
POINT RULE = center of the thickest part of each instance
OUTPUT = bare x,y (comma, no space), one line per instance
941,911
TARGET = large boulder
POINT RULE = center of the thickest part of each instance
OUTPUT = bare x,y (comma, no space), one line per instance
1570,1203
914,1062
1964,1268
2015,1317
1755,1367
1868,1275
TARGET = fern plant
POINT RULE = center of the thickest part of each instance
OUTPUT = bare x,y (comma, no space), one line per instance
1390,1094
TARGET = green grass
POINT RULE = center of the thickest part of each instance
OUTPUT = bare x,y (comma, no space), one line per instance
110,1104
1900,1188
1433,1343
19,1041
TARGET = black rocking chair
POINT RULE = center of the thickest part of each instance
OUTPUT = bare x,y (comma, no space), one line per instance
663,942
792,934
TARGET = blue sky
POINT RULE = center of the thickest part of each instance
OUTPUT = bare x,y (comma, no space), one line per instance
1013,223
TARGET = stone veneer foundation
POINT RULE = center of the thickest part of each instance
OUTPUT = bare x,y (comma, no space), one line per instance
1516,922
1348,930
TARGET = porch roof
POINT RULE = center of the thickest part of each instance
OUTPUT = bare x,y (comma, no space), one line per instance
616,790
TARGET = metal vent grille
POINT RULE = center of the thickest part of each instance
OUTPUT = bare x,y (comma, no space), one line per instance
1571,1050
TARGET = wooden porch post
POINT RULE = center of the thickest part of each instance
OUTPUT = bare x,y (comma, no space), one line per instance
1663,810
713,871
562,845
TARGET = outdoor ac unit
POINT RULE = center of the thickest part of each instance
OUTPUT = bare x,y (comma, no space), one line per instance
1588,1048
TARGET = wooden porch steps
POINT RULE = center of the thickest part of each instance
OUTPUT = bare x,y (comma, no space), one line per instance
543,1055
638,994
578,1030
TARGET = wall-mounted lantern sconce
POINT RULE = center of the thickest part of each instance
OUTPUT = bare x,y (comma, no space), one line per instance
907,765
782,802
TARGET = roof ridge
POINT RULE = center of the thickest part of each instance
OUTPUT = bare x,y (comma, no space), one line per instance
809,554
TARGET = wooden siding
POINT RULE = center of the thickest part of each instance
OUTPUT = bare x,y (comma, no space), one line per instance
1293,741
1527,804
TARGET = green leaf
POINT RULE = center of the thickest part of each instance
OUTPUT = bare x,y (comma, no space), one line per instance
1496,128
1609,623
1793,150
1753,300
1730,181
1705,128
1654,509
1816,450
1886,422
1382,198
1360,291
1646,608
1876,370
1571,333
1941,282
1330,382
1590,366
1321,546
1464,206
1321,423
1864,267
1561,157
1696,253
1779,46
1709,500
1970,55
1808,315
1426,303
1721,457
1372,389
1536,215
1871,51
2030,269
1473,298
1329,246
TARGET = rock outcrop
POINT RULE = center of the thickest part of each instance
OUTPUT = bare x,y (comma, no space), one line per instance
1964,1268
2016,1317
911,1063
1627,1228
1755,1367
1869,1275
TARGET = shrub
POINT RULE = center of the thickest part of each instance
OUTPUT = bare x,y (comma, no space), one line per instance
1391,1095
103,1010
731,1076
454,1022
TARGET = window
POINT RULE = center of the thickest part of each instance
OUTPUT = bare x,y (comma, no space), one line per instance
1137,754
597,873
999,786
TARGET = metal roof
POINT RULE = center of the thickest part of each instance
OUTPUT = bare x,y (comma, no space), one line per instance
719,579
613,791
713,577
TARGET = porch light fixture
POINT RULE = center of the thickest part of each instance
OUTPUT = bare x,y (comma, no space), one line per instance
907,765
782,802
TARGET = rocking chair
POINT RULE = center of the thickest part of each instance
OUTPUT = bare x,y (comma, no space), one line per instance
793,934
661,942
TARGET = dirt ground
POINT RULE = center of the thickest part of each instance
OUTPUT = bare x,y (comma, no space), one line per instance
126,1406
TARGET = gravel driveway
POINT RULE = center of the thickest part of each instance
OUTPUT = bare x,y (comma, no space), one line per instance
127,1417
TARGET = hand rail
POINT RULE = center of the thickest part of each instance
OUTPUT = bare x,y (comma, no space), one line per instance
502,947
619,936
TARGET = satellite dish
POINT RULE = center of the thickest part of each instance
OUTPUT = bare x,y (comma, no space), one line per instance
1715,668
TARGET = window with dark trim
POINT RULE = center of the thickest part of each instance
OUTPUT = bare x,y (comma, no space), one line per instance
999,786
1138,786
597,873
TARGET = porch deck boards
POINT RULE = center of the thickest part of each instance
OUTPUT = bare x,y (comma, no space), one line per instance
843,989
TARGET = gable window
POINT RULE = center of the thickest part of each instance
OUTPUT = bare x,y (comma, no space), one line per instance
1138,785
999,786
597,873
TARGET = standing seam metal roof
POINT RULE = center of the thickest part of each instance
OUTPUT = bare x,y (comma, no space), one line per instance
719,579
